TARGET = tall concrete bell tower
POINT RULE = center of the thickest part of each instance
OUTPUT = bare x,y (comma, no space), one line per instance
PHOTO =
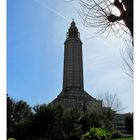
73,93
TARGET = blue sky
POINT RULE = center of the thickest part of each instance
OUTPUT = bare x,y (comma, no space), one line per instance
36,34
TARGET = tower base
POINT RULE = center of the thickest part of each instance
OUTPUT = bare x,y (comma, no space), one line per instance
77,98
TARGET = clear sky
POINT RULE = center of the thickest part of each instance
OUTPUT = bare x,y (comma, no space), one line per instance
36,34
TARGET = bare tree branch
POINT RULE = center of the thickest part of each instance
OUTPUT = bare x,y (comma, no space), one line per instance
111,17
112,101
128,61
102,15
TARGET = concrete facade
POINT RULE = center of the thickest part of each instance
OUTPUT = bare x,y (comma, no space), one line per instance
73,93
120,121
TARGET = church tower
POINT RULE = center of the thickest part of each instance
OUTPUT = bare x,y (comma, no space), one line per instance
73,93
73,63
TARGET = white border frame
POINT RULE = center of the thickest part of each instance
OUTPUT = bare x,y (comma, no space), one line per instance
3,69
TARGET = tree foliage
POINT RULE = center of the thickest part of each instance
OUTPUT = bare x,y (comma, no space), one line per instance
18,114
53,121
97,134
129,124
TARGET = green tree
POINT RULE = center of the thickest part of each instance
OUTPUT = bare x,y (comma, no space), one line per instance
107,118
129,123
55,122
52,121
88,120
47,121
97,134
18,114
71,124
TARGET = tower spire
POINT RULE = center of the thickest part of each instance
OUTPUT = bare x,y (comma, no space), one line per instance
73,31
